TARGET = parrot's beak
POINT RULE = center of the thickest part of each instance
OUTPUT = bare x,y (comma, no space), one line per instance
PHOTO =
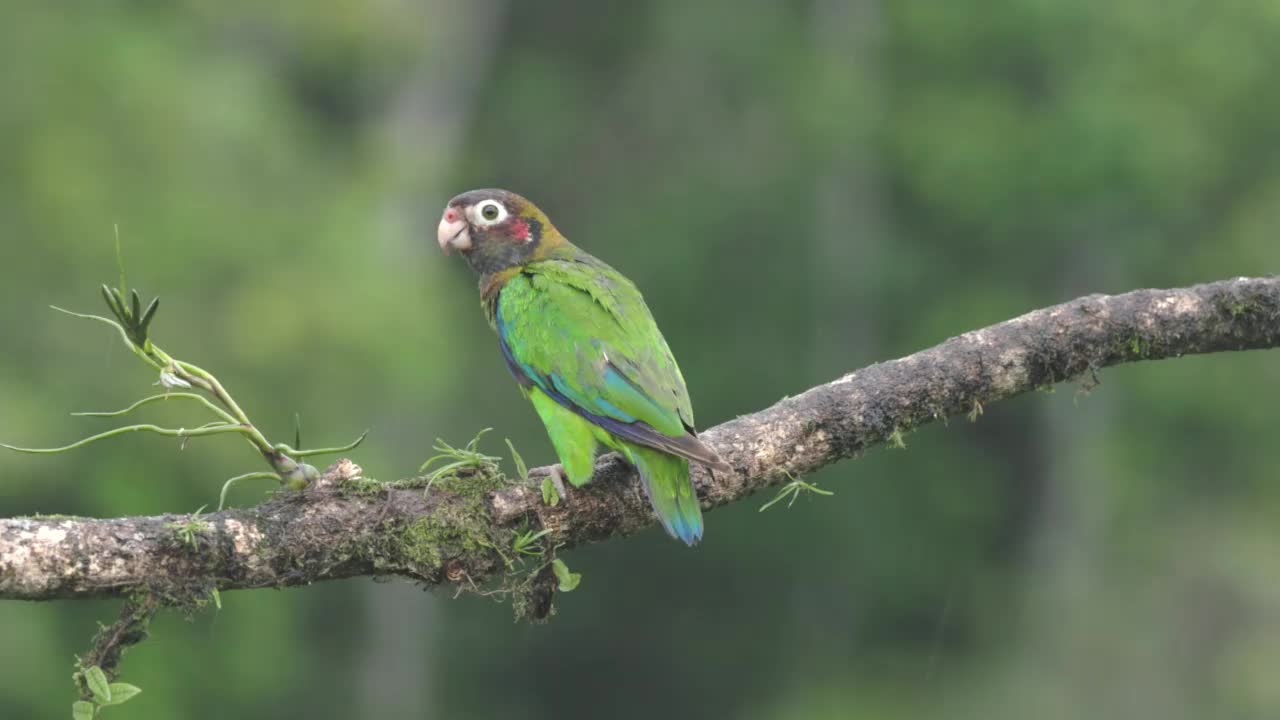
453,233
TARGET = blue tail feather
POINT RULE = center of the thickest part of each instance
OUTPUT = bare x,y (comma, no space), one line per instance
670,491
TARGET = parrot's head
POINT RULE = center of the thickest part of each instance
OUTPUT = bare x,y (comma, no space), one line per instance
495,230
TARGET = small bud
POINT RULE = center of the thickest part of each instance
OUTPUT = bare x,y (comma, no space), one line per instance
169,381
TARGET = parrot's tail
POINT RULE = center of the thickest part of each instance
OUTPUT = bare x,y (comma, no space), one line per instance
666,482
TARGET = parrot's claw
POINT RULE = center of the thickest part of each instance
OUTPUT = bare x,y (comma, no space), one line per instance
557,479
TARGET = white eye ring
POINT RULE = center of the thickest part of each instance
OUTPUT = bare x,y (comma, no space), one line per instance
500,212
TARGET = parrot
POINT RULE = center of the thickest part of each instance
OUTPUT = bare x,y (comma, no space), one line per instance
584,349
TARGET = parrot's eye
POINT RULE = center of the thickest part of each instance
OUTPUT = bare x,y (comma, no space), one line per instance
490,212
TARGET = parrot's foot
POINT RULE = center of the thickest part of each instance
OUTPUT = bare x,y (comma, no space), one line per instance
551,478
557,480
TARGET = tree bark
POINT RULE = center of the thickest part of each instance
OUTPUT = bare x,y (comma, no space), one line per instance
460,529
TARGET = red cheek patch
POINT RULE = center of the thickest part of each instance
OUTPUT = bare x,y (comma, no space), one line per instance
519,230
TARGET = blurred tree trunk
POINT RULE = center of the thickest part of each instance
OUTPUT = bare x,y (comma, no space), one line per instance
423,131
850,223
1067,588
850,228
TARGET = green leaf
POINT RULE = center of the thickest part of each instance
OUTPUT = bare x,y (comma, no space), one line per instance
568,580
122,693
82,710
119,256
97,682
217,598
550,496
521,469
111,301
149,315
299,453
524,543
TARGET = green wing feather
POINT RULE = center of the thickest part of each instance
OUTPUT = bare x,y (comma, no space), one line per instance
580,331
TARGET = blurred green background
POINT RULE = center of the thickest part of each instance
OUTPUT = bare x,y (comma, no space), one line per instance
800,189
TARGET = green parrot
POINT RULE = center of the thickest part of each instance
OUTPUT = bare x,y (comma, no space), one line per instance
584,349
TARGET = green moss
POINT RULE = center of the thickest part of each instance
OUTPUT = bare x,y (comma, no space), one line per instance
896,439
1259,305
455,539
458,534
975,411
363,487
532,593
368,487
1238,307
470,484
190,532
1139,347
459,526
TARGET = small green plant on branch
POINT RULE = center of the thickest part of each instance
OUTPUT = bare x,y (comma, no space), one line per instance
450,460
526,543
185,382
100,692
791,492
190,531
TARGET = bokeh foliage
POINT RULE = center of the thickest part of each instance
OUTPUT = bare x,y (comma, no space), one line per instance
799,188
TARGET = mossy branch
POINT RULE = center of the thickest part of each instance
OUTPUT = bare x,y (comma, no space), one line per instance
465,524
462,532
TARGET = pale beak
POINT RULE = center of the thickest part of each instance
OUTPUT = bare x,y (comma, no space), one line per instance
453,233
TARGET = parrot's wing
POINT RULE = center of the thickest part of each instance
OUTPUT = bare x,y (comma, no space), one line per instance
580,332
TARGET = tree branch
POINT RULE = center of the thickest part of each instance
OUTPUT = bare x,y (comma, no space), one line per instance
460,530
